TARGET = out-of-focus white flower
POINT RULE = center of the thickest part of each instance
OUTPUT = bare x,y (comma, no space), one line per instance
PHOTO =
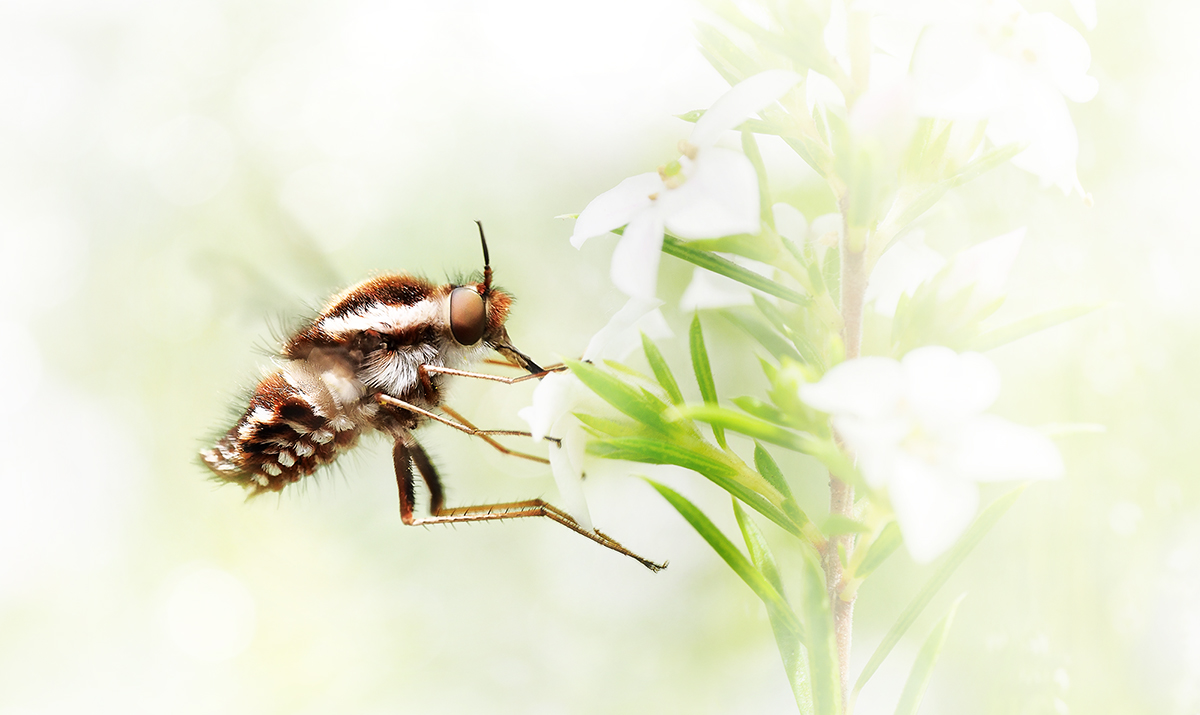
901,270
560,394
984,268
708,193
909,263
917,428
992,60
1086,10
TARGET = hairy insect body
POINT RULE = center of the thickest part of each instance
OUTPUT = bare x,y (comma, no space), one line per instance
371,339
374,359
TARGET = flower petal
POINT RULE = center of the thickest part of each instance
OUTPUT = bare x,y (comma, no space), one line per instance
1042,122
1086,10
635,260
566,463
552,398
943,387
990,448
1063,53
710,290
901,270
616,207
869,387
719,198
618,336
790,223
985,267
933,509
740,102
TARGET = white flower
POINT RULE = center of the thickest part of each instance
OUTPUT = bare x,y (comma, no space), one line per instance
909,263
901,270
560,394
917,428
708,193
991,60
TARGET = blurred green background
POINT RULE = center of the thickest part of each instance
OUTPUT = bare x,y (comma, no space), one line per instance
180,180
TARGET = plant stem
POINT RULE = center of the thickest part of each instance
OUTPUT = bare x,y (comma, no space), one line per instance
841,495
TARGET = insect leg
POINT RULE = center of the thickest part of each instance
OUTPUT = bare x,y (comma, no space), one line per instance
395,402
486,438
493,378
439,514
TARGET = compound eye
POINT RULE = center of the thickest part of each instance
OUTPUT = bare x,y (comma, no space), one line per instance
468,315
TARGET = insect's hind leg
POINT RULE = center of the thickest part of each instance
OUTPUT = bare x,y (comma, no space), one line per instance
407,455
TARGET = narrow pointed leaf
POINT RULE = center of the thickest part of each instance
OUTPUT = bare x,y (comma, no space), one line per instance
673,246
1033,324
880,549
766,466
731,555
951,561
703,370
790,643
634,402
658,451
746,485
758,329
662,371
918,678
767,411
750,149
602,426
721,418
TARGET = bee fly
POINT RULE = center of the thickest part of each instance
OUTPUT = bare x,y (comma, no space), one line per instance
377,357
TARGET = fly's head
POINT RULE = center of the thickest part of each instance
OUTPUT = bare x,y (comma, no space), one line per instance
475,315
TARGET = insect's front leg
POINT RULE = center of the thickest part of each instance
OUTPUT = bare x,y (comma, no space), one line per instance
494,378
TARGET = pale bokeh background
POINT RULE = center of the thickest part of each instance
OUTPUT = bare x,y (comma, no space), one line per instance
179,178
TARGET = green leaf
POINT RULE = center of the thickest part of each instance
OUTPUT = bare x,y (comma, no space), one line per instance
658,451
880,549
767,411
635,402
837,524
822,644
602,426
732,556
726,57
750,149
979,528
775,343
790,642
673,246
722,418
662,371
918,679
742,483
766,466
703,370
1033,324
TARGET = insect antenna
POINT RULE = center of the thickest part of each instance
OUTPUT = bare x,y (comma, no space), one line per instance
487,263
